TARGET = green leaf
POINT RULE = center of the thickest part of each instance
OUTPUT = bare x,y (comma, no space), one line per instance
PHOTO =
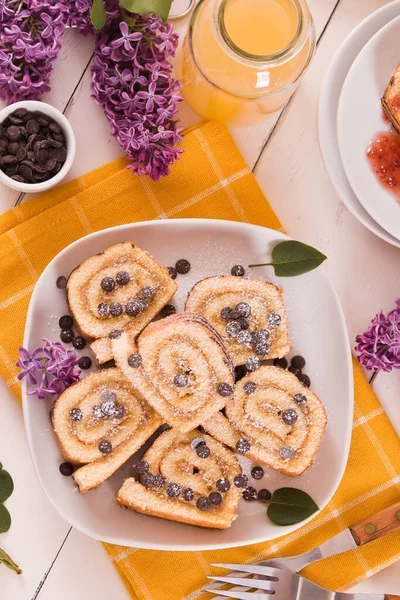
289,506
6,560
98,14
293,258
6,485
159,7
5,519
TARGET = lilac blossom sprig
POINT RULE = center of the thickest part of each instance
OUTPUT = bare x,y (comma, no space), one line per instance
132,81
31,33
51,369
378,349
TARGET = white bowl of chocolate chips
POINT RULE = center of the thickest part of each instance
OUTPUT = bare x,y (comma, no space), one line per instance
37,146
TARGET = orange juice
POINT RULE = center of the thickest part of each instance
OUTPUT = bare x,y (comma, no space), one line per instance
242,59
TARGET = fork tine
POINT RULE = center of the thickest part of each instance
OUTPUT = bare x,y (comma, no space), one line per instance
260,584
255,570
240,595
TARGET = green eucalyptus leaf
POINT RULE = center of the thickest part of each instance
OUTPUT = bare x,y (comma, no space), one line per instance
159,7
6,560
293,258
98,15
5,519
289,506
6,485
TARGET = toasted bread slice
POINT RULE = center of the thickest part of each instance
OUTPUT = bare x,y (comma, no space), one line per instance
391,100
281,419
183,346
138,307
173,457
105,407
211,296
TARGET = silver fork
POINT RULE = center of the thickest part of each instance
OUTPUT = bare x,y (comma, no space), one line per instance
283,585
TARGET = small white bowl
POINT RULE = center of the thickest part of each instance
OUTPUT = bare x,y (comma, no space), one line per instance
58,117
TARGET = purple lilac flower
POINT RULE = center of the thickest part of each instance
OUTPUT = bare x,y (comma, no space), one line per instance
29,364
378,349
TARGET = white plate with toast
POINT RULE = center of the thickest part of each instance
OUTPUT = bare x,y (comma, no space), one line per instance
317,331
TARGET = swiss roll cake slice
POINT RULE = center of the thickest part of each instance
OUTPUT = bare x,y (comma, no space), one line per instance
120,288
99,423
273,419
182,366
249,314
391,100
186,478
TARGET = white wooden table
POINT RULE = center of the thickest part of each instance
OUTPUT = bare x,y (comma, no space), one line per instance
285,157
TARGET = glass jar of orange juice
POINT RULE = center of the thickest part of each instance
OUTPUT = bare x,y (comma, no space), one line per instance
243,59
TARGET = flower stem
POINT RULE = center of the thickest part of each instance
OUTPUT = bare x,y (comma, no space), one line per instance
261,265
371,381
6,560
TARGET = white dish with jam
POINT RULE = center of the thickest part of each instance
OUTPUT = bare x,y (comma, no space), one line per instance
360,120
317,330
327,113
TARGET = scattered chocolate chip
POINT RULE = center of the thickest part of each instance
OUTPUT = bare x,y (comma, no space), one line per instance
173,490
282,363
264,495
286,452
182,266
188,494
240,372
59,154
75,414
274,319
54,127
300,399
78,342
25,172
249,494
142,302
32,126
67,336
263,335
148,292
105,447
65,322
119,411
233,328
225,390
107,284
223,485
158,480
147,479
97,412
244,337
21,153
13,133
61,282
135,361
116,309
234,315
243,446
181,380
108,396
262,349
172,272
298,362
241,480
122,278
66,469
215,498
243,309
203,503
225,313
249,387
295,371
289,416
196,442
305,380
253,363
142,467
202,450
84,363
167,311
132,308
237,271
115,334
103,309
257,472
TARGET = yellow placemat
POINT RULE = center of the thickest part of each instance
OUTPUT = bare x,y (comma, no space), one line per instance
210,180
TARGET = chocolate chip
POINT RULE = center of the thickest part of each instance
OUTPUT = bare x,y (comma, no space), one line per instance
18,178
215,498
21,154
225,313
202,451
122,278
167,311
253,363
105,447
262,335
15,120
97,412
289,416
75,414
103,309
55,127
300,399
119,411
148,292
305,380
32,126
59,154
241,480
274,319
257,472
115,334
282,363
107,284
249,494
42,156
147,479
240,372
223,485
243,446
243,309
9,159
181,380
188,494
244,337
142,302
237,271
182,266
25,172
78,342
66,469
264,495
172,272
13,148
158,480
61,282
286,452
262,349
85,363
233,328
65,322
132,308
13,133
298,362
234,315
67,336
196,442
135,361
295,371
173,490
249,387
142,467
225,390
116,309
108,396
107,409
203,503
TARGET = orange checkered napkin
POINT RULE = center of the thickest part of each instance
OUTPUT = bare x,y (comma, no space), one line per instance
210,180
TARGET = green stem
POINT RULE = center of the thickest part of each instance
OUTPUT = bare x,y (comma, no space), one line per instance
262,265
6,560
